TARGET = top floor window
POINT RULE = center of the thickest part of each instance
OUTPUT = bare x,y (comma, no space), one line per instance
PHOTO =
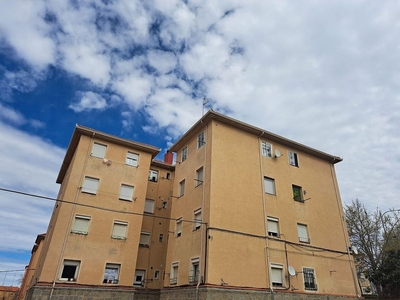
293,160
153,176
266,149
99,150
184,154
200,140
132,159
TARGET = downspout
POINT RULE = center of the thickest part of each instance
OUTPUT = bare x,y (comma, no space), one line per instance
70,219
202,219
267,261
345,235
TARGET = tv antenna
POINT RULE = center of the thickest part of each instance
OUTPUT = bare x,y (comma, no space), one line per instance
204,105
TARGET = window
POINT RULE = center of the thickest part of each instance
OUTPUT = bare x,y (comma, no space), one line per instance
153,176
178,228
184,154
164,205
182,188
139,278
126,192
297,193
309,279
266,149
144,239
197,219
132,159
273,226
293,160
90,185
70,270
149,206
99,150
168,176
174,273
199,176
269,185
81,225
161,237
277,275
194,270
119,230
303,233
111,273
156,275
200,140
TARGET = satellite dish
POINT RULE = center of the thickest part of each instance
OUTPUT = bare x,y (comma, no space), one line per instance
277,153
354,249
292,271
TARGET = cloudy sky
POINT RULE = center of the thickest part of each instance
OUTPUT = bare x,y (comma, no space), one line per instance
325,74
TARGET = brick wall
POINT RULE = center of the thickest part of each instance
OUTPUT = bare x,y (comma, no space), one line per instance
183,293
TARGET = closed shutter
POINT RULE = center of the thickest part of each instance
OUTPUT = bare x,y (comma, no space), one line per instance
276,276
99,150
81,224
119,230
149,206
144,238
90,185
126,192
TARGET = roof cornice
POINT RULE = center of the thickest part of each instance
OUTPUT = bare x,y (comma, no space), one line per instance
86,131
212,115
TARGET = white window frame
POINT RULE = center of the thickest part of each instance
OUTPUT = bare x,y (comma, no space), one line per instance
156,274
266,149
81,225
199,176
184,154
194,271
132,159
161,238
277,275
145,239
99,150
197,219
90,185
149,206
142,273
182,184
300,199
293,158
178,227
126,192
306,270
119,231
269,186
74,263
273,226
153,175
173,279
201,140
108,277
302,230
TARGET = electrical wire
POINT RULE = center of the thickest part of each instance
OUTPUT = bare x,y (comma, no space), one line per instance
95,207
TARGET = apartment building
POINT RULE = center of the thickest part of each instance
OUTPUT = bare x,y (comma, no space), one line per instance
242,214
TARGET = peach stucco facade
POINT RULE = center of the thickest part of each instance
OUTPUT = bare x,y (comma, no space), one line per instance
240,208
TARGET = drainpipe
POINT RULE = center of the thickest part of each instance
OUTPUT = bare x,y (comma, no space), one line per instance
267,261
71,218
202,218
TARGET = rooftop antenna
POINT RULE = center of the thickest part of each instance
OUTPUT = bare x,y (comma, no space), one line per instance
204,105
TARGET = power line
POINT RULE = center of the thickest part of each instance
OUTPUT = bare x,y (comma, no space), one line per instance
94,207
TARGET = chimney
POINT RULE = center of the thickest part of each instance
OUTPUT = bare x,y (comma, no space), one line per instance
168,157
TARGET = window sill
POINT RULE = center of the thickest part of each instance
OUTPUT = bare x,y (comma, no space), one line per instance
144,246
305,241
196,228
116,237
89,193
79,232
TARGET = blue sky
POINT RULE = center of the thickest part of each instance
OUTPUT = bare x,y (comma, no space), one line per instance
323,74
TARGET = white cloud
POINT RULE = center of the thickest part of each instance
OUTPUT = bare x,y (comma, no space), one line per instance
11,115
162,61
28,164
88,101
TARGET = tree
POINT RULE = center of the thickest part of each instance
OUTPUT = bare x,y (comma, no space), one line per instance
376,235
